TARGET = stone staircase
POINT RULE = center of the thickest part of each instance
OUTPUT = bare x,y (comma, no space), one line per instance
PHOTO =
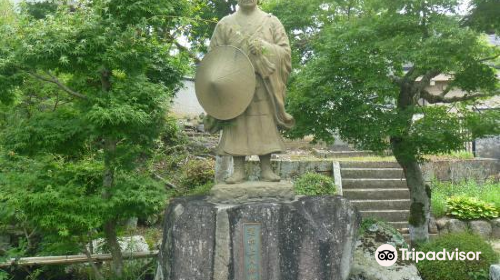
378,190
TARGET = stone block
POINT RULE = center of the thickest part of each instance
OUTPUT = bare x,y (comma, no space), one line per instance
433,228
481,228
306,238
455,225
495,228
252,190
442,223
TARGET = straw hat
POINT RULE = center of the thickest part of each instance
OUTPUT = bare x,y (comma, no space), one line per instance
225,82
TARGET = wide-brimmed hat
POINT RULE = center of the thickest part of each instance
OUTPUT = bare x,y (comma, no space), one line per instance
225,82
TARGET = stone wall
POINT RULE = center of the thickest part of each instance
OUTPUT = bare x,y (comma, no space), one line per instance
460,170
488,147
449,170
488,229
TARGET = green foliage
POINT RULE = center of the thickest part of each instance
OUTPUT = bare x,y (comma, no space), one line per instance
484,16
356,84
314,184
63,199
61,131
452,269
462,155
86,88
488,192
438,204
469,208
197,172
305,27
199,190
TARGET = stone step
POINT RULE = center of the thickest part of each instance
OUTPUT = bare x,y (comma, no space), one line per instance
382,204
400,226
369,164
387,215
375,194
373,183
376,173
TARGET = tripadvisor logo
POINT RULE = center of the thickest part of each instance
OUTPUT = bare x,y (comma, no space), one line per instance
387,255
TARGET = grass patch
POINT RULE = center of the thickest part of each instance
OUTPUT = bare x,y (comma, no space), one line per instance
455,155
487,192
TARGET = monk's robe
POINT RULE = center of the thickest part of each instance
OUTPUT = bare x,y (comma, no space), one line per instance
255,132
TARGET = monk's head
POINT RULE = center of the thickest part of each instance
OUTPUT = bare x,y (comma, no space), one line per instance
245,4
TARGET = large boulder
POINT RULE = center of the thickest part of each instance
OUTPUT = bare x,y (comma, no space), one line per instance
495,272
305,238
365,267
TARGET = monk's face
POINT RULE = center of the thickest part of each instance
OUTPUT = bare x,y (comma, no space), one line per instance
247,3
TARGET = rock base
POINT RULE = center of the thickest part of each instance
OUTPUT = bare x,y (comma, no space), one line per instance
252,191
303,239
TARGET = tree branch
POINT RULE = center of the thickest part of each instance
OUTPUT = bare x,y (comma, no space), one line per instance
409,74
54,80
426,79
183,48
488,58
96,271
165,181
433,99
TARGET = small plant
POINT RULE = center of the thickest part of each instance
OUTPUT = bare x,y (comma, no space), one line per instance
453,269
197,172
488,191
314,184
468,208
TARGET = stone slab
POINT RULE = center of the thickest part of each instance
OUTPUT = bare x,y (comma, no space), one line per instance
252,191
307,238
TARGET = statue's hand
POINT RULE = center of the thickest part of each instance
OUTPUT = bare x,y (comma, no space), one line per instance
256,47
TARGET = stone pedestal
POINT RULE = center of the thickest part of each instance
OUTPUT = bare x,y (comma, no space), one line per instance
289,239
252,191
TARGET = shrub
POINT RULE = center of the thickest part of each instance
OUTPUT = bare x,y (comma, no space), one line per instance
197,172
314,184
453,269
468,208
487,192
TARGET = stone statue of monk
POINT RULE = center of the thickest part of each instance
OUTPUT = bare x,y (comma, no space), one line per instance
255,132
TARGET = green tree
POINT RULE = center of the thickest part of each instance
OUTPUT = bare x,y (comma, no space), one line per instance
368,82
304,27
87,86
483,16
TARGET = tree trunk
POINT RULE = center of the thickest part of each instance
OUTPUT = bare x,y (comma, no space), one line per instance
114,247
420,196
108,183
110,225
406,155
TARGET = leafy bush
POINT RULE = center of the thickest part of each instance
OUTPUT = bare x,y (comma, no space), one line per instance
487,192
314,184
197,172
468,208
62,199
453,269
